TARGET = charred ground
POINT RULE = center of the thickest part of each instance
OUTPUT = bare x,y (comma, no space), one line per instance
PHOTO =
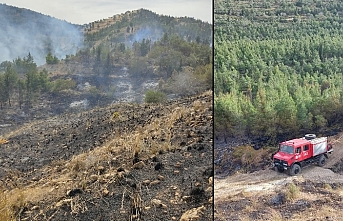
121,162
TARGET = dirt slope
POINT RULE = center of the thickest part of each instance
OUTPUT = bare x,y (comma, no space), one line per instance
122,162
267,191
337,156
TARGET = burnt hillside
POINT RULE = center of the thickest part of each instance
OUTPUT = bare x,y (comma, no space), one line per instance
122,162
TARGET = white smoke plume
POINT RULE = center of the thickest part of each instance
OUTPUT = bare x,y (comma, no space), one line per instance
148,33
23,31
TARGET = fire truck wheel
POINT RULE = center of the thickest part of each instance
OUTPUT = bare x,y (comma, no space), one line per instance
295,170
279,169
321,161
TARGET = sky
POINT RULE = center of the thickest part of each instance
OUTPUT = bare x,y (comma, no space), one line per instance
86,11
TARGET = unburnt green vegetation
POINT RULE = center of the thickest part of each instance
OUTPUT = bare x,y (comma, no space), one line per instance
22,82
278,67
154,97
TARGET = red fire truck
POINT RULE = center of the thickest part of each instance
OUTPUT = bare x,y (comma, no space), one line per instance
297,153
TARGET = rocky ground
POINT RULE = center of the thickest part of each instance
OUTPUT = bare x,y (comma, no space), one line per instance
315,194
120,162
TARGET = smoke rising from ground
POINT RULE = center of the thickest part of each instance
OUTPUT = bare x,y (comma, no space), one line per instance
153,34
23,32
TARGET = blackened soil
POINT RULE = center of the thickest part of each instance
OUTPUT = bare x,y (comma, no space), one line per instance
169,183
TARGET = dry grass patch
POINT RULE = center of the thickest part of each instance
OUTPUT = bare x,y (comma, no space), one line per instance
148,140
339,191
249,158
327,187
291,192
155,136
13,202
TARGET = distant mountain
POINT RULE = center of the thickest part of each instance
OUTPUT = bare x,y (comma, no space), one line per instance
23,31
142,24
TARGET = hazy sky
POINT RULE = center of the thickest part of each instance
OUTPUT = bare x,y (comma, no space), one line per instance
86,11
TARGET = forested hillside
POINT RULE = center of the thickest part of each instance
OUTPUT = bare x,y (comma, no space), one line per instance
148,43
278,67
134,26
124,55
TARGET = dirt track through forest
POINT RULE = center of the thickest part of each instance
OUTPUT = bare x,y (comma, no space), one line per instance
265,181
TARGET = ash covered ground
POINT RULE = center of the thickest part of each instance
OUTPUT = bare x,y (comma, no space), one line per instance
118,162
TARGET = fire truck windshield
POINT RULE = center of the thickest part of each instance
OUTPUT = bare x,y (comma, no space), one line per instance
286,149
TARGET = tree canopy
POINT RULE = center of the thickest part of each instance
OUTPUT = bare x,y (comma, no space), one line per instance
22,82
278,67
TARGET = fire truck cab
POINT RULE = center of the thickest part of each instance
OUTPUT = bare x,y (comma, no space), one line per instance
296,153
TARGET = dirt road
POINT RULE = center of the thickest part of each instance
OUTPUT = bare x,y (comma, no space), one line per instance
268,182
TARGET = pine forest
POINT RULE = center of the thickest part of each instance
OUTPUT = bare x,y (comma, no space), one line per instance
278,68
